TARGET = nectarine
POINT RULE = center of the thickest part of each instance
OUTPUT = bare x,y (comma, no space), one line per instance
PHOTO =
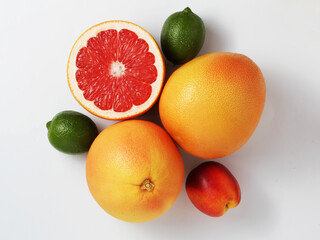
213,189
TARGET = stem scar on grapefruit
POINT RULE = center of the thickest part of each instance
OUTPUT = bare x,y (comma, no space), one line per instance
116,70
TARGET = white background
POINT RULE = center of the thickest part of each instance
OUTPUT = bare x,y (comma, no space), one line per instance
44,194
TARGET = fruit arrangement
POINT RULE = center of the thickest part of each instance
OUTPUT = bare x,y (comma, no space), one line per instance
210,106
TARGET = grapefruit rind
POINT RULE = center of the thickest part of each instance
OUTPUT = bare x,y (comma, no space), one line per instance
156,85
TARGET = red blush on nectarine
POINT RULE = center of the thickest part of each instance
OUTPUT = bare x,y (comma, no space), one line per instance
213,189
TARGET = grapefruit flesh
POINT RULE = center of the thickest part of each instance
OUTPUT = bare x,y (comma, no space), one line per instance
116,70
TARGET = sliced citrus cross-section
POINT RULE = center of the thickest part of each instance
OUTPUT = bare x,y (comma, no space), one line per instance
116,70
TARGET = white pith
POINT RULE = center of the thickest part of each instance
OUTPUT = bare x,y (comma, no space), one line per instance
117,69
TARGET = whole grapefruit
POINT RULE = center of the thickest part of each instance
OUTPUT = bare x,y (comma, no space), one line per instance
134,170
212,104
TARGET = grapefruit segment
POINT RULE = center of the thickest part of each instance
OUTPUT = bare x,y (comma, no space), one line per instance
116,70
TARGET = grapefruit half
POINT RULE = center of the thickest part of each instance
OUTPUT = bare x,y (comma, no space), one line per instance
116,70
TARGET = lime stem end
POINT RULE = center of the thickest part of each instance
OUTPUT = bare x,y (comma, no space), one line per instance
187,10
48,124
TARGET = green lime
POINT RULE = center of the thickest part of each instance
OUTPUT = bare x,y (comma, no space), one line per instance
182,36
71,132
